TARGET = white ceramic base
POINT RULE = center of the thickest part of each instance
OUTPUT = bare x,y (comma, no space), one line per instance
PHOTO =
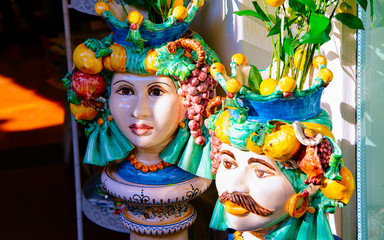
182,235
155,211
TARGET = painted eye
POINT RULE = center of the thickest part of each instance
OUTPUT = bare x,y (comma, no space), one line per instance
263,174
229,165
156,91
125,91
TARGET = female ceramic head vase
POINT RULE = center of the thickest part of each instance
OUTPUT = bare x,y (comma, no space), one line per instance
144,89
141,93
278,168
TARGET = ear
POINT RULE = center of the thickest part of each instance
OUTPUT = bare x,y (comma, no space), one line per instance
298,205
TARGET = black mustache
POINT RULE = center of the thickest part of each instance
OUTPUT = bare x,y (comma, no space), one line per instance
245,201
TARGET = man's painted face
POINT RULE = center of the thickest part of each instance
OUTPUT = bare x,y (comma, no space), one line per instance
147,109
252,188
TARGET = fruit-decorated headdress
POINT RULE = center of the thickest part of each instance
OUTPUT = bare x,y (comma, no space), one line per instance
288,126
141,46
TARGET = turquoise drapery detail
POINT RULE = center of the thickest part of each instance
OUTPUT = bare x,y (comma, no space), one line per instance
189,156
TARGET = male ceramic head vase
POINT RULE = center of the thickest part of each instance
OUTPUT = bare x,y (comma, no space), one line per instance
141,93
278,168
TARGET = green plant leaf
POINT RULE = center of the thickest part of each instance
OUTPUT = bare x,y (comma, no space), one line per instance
254,79
288,46
309,3
260,11
318,23
363,4
250,13
277,27
297,6
320,38
350,20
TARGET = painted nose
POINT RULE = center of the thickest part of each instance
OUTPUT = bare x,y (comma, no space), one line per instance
239,183
142,108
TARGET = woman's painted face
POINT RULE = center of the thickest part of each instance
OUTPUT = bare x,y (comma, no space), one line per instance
256,184
146,108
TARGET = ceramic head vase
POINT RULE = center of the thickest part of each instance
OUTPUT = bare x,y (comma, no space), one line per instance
278,168
144,88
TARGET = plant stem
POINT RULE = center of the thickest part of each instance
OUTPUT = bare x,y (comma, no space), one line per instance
125,10
310,52
271,64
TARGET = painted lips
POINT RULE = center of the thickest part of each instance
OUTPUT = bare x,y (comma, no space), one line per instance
140,129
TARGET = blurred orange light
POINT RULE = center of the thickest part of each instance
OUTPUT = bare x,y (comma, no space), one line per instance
23,109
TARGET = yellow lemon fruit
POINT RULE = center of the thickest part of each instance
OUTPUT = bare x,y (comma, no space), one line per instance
319,128
275,3
296,59
117,59
135,17
100,7
234,209
252,146
326,75
221,127
233,85
339,190
268,86
85,60
287,84
239,58
346,8
217,68
175,3
281,144
150,61
82,112
318,61
180,12
199,3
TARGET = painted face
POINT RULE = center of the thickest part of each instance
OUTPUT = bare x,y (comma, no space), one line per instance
252,188
146,108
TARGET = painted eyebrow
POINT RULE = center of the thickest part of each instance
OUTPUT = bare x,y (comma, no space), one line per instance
261,161
159,83
229,153
123,81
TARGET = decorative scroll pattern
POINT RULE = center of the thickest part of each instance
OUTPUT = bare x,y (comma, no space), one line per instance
164,211
159,229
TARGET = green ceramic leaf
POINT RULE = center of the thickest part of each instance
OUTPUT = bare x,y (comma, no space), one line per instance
254,79
72,98
67,82
260,11
350,20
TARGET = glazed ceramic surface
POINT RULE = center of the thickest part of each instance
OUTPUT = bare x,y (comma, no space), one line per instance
256,176
160,206
147,110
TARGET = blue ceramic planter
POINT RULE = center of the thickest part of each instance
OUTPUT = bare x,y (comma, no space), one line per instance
154,38
294,108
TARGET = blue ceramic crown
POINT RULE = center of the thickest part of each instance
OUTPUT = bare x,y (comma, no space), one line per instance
301,106
149,33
